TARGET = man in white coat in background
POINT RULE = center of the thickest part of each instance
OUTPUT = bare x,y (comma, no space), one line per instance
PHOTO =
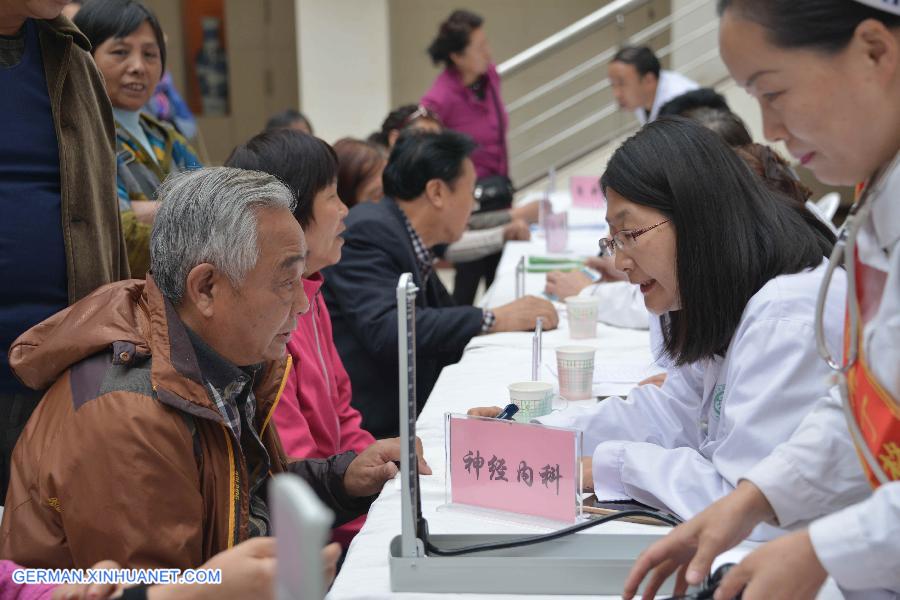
641,85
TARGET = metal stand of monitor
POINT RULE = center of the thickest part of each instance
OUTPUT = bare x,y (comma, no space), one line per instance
576,564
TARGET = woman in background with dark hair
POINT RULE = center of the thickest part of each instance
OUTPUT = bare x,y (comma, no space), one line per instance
289,119
314,417
359,171
129,47
733,268
466,98
408,115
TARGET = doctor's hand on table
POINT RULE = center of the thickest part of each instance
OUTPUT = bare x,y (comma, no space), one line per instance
484,411
786,568
522,314
692,547
374,466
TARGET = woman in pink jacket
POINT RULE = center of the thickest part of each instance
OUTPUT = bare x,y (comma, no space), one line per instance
466,97
314,417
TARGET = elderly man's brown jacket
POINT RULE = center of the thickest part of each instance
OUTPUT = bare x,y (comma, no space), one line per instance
127,457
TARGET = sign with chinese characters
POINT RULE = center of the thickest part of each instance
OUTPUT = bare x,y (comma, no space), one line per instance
515,467
586,192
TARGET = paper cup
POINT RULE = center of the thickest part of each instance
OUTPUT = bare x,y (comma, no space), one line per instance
534,399
575,366
582,314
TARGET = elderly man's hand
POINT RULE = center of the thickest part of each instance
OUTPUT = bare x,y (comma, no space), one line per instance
522,314
692,546
562,285
374,466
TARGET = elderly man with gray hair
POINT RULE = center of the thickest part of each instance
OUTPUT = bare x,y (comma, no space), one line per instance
154,441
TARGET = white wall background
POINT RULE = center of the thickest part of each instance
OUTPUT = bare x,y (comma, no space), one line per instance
344,64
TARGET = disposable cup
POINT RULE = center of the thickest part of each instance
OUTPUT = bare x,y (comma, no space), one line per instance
534,399
556,227
582,315
575,366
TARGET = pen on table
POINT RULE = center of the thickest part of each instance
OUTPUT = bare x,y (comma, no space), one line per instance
508,412
536,349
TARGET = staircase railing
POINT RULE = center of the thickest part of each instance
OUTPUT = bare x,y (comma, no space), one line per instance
558,121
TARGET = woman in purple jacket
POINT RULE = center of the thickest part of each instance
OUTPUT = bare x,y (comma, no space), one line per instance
466,97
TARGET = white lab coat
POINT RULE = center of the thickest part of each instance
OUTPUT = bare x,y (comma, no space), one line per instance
671,85
684,445
818,472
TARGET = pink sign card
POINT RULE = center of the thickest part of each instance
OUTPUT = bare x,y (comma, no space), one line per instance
586,191
515,467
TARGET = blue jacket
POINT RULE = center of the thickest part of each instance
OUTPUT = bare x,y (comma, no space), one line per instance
361,295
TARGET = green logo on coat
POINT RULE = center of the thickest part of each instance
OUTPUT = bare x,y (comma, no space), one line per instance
718,394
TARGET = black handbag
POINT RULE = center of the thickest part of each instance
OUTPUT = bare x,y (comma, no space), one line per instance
495,192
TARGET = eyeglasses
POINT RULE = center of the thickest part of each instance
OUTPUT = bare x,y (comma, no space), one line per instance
625,239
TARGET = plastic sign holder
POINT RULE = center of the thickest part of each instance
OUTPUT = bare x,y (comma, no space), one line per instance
510,467
575,564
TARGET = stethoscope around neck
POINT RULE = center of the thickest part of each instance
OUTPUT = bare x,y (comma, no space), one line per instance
844,255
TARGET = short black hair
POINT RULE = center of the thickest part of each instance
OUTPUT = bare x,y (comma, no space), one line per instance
286,118
823,25
302,162
733,233
724,122
453,36
692,100
641,57
420,156
394,121
100,20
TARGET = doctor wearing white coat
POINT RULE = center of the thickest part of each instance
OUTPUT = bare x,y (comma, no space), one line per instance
640,84
736,267
829,88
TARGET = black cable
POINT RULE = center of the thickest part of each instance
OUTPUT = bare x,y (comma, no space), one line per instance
546,537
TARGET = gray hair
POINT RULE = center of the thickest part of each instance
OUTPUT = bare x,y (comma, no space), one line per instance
209,216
